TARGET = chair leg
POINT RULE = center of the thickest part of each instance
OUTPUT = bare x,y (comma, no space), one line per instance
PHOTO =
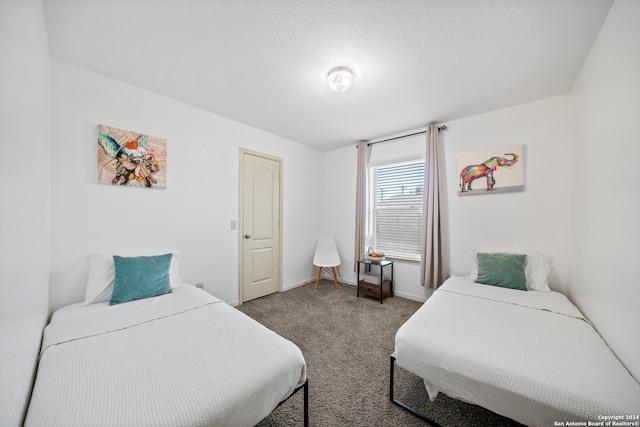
333,269
318,278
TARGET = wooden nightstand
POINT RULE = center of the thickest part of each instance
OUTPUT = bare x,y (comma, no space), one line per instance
379,290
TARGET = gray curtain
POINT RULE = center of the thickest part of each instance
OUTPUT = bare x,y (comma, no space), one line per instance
432,256
364,152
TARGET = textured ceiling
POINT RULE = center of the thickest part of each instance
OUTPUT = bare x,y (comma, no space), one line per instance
264,62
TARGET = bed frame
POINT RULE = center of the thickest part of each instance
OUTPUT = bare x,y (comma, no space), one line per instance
518,383
305,387
184,306
392,362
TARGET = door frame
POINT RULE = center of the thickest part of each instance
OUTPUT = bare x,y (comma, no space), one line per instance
241,232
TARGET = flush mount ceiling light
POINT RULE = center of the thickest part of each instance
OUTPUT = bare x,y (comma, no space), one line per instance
340,78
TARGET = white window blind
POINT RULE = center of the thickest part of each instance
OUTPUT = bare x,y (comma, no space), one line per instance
395,211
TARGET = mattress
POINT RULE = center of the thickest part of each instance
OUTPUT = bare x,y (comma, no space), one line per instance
181,359
530,356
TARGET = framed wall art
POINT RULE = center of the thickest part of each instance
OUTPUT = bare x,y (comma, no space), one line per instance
495,170
131,158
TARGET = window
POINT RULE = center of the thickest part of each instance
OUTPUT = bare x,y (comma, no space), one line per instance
395,210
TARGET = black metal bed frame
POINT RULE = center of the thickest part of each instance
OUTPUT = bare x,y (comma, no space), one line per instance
304,386
401,404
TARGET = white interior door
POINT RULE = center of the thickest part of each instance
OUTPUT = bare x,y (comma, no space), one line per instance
260,225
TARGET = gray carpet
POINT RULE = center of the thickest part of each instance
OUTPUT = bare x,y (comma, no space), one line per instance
346,342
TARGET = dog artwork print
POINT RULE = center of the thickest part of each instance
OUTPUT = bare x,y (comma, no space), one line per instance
131,158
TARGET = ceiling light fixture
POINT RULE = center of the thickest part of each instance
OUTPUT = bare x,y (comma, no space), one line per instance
340,78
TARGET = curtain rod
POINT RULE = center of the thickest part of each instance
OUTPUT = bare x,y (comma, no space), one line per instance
440,129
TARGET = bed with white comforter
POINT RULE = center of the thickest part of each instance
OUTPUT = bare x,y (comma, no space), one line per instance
181,359
530,356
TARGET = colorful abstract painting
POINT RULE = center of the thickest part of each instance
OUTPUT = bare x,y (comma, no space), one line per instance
495,170
131,158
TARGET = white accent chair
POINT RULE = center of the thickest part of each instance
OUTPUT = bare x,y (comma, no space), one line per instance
326,258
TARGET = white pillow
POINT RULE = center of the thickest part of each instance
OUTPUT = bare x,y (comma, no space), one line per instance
102,274
536,269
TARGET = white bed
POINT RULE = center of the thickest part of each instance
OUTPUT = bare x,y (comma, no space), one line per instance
528,355
181,359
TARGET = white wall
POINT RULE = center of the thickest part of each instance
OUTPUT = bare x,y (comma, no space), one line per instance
192,214
537,218
24,200
339,205
605,280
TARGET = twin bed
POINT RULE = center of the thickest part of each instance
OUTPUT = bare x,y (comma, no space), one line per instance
183,358
174,355
527,354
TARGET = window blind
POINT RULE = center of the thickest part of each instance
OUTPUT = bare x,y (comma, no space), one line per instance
395,214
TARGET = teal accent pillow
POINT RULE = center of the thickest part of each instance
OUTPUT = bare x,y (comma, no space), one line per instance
504,270
140,277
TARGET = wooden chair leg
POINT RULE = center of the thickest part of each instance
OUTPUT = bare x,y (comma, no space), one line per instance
334,277
318,278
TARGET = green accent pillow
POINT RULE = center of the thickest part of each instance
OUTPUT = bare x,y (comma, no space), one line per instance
504,270
140,277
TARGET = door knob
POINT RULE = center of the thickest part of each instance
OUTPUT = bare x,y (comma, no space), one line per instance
247,236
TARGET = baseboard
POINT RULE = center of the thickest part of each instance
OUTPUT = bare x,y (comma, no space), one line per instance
313,280
405,295
412,297
298,284
287,287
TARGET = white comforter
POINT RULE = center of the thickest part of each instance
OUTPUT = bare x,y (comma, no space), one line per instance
182,359
530,356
